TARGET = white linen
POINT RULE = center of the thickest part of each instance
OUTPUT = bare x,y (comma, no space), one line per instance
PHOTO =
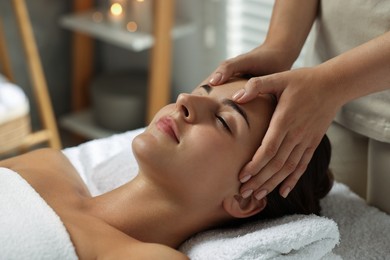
29,228
91,160
364,230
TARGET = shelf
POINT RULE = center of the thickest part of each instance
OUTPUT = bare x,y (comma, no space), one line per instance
135,41
82,123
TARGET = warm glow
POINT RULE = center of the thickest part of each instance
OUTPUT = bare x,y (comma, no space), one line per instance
140,0
116,9
132,26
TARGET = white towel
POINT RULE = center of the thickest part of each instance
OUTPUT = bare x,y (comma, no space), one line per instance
29,228
13,102
290,237
364,230
93,160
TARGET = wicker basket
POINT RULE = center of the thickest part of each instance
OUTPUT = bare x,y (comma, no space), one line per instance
13,132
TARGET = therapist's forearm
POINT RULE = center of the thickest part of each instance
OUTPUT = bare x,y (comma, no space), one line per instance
360,71
290,25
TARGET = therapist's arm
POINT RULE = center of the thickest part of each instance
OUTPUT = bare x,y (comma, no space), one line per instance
360,71
290,24
308,100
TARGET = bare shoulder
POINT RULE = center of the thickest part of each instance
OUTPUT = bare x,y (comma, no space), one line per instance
142,250
46,155
48,164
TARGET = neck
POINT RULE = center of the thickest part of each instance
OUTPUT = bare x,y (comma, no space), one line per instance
143,211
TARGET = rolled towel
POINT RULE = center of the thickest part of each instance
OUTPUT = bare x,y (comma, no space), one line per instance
13,102
289,237
29,228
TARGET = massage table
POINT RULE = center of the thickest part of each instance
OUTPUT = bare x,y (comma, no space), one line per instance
362,231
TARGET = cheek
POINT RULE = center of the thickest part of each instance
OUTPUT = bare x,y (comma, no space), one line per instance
209,145
212,157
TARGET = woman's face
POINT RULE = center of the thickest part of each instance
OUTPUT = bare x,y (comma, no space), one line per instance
197,146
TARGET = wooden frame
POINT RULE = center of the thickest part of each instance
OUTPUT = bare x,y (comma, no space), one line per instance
49,132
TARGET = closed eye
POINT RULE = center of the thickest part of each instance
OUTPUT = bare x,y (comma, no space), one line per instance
224,124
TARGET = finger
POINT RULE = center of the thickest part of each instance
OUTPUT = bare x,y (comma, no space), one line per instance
225,70
269,147
290,182
269,84
289,167
267,150
275,172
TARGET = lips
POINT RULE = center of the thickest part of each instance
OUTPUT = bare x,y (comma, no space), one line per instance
168,126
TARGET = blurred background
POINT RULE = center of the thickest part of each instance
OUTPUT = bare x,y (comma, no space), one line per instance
113,66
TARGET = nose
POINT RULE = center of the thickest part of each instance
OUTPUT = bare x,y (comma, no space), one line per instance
193,107
186,107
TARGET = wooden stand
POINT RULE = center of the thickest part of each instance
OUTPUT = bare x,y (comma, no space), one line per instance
49,132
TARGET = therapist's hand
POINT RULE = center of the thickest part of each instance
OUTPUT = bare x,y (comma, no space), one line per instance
262,60
305,109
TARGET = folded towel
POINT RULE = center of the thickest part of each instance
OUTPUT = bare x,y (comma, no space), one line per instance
289,237
364,230
13,102
29,228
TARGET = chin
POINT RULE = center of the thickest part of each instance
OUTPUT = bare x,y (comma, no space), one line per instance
142,146
149,153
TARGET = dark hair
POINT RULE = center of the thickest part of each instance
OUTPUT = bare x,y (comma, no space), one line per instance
313,185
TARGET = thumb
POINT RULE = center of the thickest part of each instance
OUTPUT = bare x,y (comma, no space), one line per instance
229,68
269,84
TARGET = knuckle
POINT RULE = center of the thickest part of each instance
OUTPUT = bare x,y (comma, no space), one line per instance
256,181
254,82
252,168
297,134
290,166
277,164
270,151
226,65
311,149
301,168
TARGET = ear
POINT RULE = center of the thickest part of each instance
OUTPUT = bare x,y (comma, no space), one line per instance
239,207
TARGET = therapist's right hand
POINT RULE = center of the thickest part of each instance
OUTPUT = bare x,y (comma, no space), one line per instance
262,60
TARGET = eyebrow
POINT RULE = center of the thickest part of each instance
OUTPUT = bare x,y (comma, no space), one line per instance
229,102
207,88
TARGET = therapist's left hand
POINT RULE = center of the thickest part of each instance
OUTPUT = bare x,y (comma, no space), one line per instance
305,109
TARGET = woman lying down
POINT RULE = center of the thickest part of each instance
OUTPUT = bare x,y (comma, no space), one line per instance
189,158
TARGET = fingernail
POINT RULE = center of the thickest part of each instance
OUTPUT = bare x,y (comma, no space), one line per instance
261,194
246,193
216,78
238,94
286,192
245,178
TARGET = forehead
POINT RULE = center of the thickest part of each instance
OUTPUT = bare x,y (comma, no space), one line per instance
227,90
